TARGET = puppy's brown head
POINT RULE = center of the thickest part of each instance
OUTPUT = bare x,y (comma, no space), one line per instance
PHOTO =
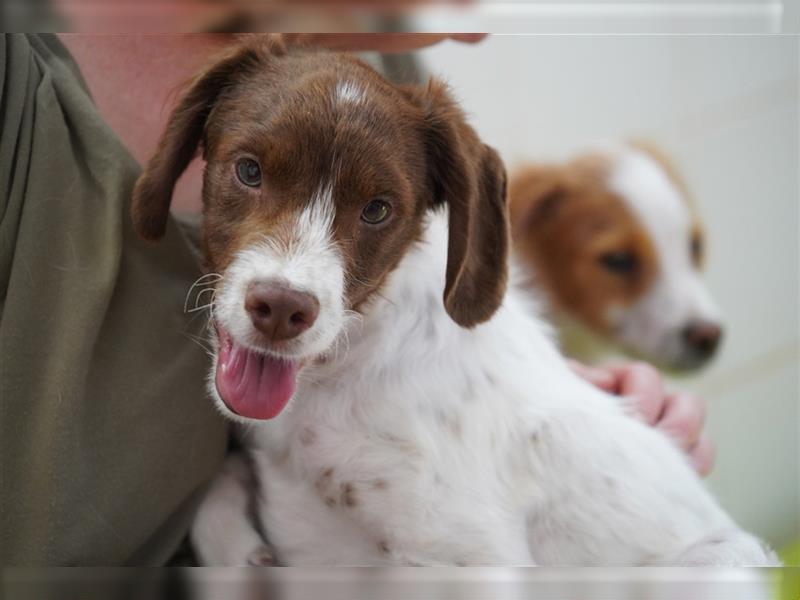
319,175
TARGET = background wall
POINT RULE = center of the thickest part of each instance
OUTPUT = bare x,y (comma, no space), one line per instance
726,109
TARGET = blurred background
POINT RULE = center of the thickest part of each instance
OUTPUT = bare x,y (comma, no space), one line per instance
725,108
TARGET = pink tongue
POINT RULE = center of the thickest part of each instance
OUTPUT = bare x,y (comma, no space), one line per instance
253,385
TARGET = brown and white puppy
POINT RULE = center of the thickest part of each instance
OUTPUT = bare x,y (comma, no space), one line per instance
615,243
445,428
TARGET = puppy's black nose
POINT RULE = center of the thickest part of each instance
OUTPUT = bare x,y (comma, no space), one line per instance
702,337
278,311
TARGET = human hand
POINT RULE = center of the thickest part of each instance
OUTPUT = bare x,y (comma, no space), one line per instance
679,415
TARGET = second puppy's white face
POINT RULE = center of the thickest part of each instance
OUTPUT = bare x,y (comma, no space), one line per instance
676,321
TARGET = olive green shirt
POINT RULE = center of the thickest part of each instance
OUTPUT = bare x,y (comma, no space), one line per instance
108,436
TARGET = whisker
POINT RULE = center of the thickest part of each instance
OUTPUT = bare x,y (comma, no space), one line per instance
204,280
197,341
198,308
208,289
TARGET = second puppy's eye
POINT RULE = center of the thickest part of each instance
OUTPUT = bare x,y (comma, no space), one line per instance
248,172
696,249
376,211
620,263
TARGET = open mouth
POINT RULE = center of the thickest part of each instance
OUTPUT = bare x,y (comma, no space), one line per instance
252,384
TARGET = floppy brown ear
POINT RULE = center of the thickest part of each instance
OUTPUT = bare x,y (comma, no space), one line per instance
469,177
179,142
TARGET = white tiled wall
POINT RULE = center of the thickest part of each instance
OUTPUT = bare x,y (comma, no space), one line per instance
726,108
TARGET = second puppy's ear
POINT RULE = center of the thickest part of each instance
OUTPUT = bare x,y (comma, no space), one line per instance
178,145
535,196
469,178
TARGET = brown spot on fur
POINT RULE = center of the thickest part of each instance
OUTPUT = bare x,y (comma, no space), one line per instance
383,547
324,480
380,484
411,449
283,457
564,220
348,494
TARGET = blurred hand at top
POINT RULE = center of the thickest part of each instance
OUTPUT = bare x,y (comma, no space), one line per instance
379,42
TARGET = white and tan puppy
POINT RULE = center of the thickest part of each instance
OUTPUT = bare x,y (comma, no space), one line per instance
615,244
403,407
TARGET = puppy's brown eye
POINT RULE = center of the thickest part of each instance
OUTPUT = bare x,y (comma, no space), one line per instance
376,211
619,262
696,249
248,172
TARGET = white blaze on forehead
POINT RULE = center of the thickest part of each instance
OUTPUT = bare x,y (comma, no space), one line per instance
301,253
652,197
349,92
314,226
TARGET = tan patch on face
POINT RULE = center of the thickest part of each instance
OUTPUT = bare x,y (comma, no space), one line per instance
569,226
697,246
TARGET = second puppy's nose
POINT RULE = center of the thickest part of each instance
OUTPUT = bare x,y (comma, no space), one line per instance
703,337
278,311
